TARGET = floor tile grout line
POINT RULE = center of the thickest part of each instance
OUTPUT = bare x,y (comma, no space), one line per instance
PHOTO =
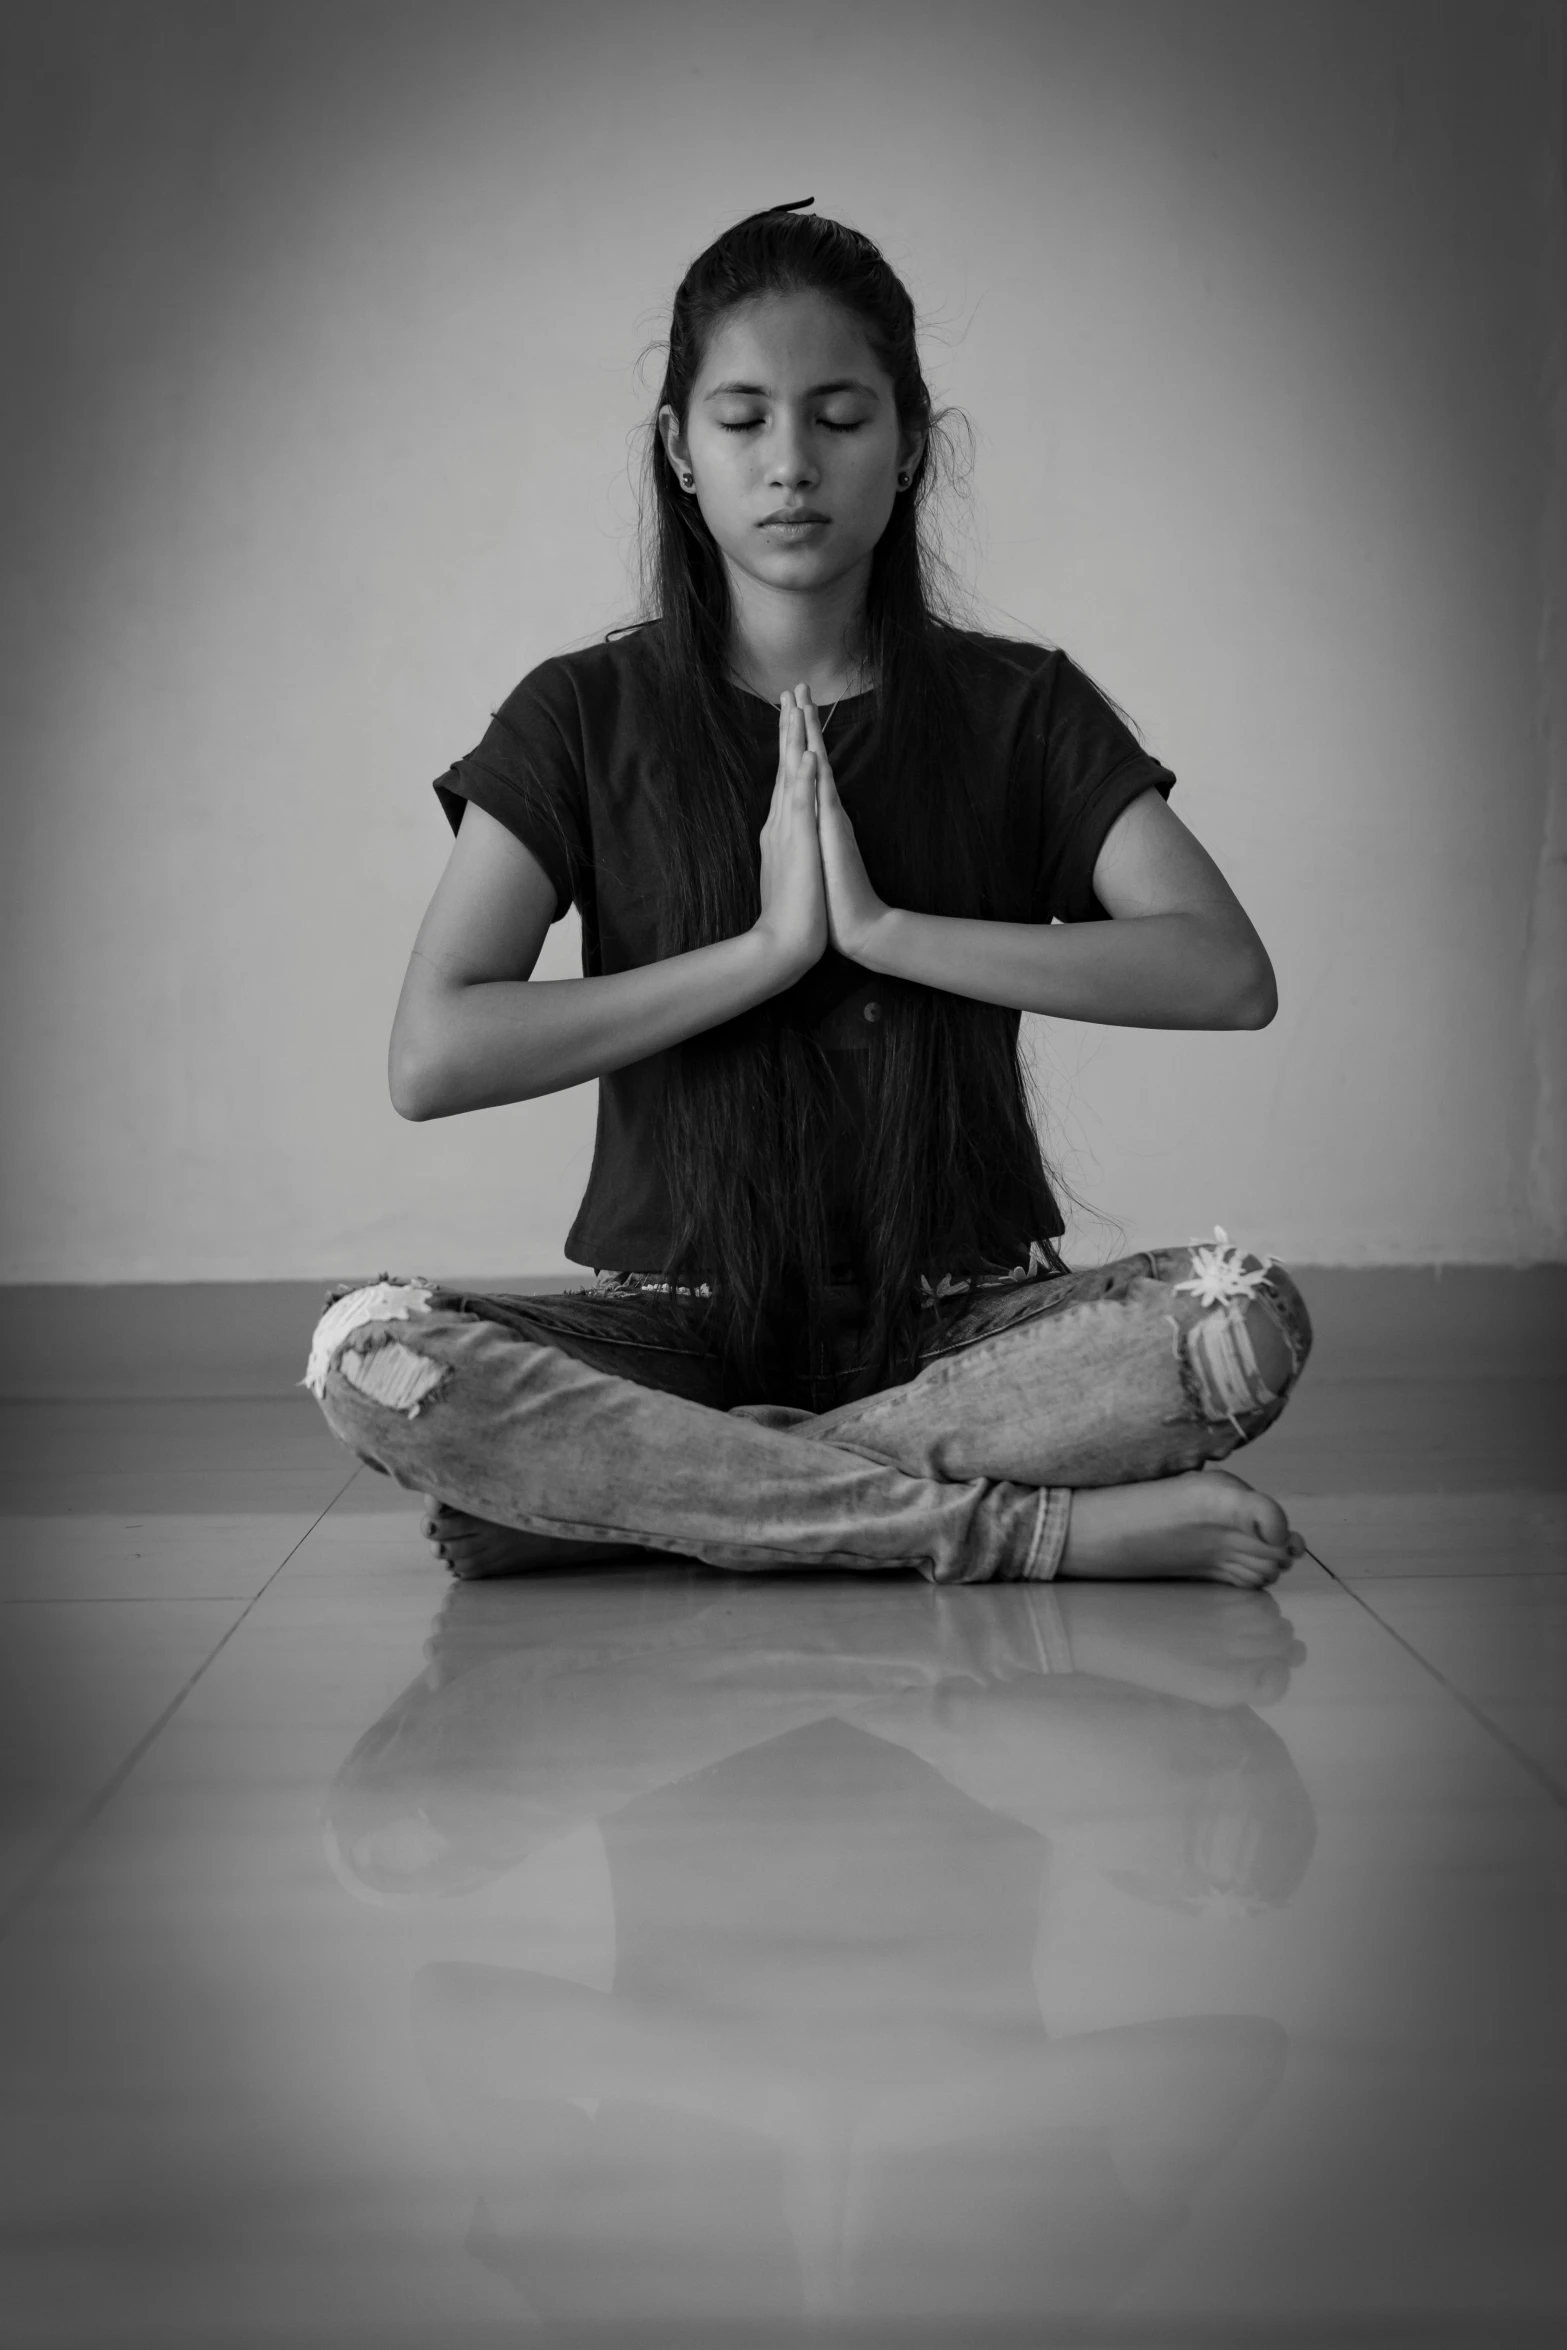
146,1598
1462,1575
1537,1771
37,1877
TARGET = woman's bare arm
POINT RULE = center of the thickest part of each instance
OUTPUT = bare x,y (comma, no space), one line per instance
1180,951
474,1029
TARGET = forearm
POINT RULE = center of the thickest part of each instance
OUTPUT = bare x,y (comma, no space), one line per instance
1151,971
509,1040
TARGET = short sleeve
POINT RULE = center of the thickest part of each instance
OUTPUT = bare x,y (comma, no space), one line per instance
1090,767
528,773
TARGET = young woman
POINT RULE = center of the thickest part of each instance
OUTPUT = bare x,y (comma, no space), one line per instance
827,845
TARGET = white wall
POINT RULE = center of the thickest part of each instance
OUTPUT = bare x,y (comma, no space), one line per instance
330,318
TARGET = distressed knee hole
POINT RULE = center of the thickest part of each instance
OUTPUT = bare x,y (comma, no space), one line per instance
1239,1357
1270,1348
1221,1353
393,1374
377,1301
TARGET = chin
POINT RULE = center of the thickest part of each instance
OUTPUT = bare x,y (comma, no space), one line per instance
819,566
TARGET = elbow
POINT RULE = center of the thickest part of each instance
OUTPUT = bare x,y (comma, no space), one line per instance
408,1103
1255,999
409,1085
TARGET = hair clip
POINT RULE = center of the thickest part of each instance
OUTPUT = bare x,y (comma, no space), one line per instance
797,205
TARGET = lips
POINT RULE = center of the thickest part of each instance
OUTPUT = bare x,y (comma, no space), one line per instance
796,514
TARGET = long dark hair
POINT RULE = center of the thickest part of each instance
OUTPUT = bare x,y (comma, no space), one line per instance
949,1175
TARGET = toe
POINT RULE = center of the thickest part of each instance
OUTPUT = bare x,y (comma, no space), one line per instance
1242,1556
1267,1520
1242,1574
467,1564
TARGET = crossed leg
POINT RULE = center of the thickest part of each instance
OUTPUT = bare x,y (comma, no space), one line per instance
1205,1522
1073,1391
1202,1525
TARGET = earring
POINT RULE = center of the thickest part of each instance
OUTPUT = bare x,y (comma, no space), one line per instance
904,480
688,481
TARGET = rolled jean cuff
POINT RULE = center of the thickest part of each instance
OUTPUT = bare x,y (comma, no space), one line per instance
1050,1532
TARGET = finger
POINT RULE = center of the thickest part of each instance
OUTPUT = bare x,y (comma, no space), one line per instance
817,741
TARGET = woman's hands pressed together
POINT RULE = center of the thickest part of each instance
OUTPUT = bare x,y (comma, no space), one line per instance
853,907
814,887
793,918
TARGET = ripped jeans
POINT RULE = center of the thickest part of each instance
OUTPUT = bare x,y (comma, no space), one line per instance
583,1419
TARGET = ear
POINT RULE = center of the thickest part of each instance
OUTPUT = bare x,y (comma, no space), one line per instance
911,448
674,439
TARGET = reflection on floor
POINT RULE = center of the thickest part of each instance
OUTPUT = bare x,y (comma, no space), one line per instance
660,1958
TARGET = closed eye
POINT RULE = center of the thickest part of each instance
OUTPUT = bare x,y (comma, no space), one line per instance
752,422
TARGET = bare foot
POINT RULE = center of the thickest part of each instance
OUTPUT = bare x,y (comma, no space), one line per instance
473,1547
1206,1526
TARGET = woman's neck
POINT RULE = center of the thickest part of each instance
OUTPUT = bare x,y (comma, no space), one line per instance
781,640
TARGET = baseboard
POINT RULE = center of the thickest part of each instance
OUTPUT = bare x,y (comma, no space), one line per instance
177,1338
250,1338
1437,1321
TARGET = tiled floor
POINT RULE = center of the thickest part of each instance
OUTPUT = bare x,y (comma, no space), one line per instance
660,1958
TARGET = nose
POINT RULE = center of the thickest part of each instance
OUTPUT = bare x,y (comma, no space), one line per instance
791,462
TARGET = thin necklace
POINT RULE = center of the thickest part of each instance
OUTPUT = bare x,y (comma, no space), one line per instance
832,713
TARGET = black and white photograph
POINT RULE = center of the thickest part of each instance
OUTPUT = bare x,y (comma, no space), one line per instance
783,1175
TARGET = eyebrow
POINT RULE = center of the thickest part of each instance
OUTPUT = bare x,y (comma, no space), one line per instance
845,383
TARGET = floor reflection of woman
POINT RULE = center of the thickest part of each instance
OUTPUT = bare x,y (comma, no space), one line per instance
820,2084
827,845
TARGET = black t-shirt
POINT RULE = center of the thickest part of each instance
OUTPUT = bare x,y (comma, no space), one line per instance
564,765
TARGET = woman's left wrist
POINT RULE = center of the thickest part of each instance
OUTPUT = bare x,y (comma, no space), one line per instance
873,939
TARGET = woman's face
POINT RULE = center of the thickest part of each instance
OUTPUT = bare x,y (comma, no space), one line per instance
791,414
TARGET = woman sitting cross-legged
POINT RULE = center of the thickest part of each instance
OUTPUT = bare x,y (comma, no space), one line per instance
827,845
